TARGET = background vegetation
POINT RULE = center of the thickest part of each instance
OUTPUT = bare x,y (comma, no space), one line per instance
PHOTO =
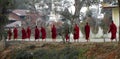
28,50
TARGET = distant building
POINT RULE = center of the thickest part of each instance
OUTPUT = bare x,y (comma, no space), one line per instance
16,17
115,12
19,17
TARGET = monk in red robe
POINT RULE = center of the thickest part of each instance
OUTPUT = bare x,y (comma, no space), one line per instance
54,32
28,33
15,31
24,35
76,33
37,33
9,34
43,31
113,30
87,31
67,37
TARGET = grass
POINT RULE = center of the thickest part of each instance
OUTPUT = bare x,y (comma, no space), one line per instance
61,51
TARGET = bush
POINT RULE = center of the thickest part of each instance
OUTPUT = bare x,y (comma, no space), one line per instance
21,54
41,54
66,53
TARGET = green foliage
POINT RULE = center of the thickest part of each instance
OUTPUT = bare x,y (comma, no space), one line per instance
82,51
30,47
69,53
3,20
41,54
21,54
5,7
65,53
64,29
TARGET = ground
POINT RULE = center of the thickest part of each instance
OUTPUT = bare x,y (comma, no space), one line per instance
59,50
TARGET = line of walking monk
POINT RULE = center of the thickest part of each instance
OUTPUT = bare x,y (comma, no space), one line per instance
27,33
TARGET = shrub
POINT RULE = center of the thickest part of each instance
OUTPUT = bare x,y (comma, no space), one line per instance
22,54
65,53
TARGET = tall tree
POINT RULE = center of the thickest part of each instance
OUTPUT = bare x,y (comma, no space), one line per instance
74,18
5,7
78,5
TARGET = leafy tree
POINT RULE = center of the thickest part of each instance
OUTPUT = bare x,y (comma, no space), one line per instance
74,18
64,29
5,7
4,10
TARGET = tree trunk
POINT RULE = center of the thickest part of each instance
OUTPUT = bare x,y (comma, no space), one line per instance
1,32
78,6
2,42
3,37
119,19
63,38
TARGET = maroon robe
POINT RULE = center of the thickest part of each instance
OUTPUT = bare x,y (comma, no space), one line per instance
15,31
43,31
28,32
113,30
54,33
87,31
76,32
9,34
24,34
37,33
67,37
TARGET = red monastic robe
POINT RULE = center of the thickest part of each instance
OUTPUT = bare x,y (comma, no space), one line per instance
9,34
37,33
67,37
28,32
87,31
54,33
15,31
24,34
113,30
43,31
76,32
